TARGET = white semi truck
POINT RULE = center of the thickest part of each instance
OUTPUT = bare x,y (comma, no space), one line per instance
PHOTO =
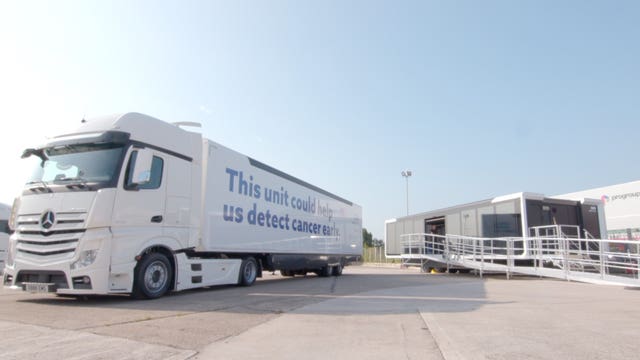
132,204
4,233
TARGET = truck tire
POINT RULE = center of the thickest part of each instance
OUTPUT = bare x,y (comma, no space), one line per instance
325,271
288,273
337,270
152,277
248,272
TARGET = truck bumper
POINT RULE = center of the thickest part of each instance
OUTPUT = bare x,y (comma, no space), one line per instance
57,279
85,271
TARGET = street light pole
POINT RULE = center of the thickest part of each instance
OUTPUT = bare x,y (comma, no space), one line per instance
406,174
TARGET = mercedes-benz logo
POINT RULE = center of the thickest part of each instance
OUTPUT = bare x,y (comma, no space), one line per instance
48,219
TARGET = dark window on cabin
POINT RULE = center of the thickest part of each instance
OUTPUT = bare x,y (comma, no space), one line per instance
501,225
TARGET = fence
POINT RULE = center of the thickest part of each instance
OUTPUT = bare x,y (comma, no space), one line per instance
376,255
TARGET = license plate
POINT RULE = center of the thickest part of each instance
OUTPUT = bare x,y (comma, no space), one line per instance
39,287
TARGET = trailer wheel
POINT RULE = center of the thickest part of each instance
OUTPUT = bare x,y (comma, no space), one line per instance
337,270
152,277
325,271
287,273
248,272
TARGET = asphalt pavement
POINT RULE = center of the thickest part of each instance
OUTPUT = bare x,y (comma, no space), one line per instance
368,313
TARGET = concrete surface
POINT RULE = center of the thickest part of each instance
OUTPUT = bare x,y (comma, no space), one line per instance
368,313
22,341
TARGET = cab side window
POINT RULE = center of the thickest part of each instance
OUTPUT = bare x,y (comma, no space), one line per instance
157,166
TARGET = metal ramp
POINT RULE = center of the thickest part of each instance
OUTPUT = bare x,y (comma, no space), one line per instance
556,251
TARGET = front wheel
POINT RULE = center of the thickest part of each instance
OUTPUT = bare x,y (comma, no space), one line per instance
248,272
152,277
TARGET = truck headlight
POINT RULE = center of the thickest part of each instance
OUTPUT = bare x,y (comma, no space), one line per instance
87,257
14,214
9,258
11,252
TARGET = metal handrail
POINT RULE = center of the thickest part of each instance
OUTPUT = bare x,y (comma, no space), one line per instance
572,258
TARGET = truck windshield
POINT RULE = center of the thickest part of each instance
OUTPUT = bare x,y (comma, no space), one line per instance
77,164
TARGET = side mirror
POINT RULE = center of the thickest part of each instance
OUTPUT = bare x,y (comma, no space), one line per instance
37,152
28,152
142,167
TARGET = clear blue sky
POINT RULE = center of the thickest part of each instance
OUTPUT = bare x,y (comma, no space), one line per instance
477,98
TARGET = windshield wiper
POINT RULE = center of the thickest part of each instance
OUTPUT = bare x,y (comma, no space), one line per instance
44,186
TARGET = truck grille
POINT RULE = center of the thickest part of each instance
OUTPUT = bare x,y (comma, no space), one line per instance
59,242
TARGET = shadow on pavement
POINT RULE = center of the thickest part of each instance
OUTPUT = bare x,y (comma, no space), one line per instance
355,293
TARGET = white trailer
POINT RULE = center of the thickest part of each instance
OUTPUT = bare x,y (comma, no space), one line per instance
132,204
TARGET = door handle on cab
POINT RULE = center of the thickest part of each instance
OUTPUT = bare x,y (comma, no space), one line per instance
156,219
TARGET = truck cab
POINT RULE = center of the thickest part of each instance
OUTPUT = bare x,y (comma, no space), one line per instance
99,201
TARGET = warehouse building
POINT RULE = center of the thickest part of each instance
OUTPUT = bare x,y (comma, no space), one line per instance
621,208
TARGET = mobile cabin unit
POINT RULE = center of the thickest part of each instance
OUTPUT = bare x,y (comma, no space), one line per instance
518,215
